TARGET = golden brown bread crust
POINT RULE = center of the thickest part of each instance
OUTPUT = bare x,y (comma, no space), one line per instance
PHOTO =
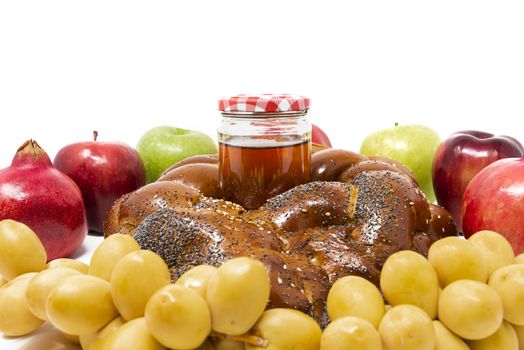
398,165
440,225
327,165
311,205
198,159
307,237
132,208
200,176
374,165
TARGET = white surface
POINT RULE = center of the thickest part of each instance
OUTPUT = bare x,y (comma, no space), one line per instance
47,337
122,67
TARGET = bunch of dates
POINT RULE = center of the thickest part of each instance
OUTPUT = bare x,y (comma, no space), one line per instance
467,294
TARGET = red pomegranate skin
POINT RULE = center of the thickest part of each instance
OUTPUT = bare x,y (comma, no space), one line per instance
34,192
494,200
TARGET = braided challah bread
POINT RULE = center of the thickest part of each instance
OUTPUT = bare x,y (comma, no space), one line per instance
354,214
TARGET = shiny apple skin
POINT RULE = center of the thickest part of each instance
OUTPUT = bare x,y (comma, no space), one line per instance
104,171
34,192
494,200
319,137
460,157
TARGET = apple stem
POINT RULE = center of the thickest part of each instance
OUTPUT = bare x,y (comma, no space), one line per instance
95,135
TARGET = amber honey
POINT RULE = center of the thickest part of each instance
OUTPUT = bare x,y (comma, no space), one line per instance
251,172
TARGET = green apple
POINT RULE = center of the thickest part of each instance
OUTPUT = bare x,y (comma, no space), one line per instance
163,146
413,145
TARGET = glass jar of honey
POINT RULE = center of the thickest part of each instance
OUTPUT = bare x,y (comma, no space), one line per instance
264,146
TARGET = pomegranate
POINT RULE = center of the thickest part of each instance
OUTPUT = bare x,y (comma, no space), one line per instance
34,192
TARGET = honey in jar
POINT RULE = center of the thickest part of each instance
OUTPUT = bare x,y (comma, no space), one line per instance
264,147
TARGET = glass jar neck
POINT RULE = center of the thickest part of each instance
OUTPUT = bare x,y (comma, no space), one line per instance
265,115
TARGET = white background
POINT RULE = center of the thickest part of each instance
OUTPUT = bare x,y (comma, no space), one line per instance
68,67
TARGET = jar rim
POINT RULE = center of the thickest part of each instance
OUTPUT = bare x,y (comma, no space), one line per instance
263,115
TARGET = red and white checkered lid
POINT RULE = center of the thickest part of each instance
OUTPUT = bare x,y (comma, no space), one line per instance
265,103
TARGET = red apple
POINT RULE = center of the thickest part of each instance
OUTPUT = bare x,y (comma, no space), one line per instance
460,157
104,171
319,137
494,200
34,192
